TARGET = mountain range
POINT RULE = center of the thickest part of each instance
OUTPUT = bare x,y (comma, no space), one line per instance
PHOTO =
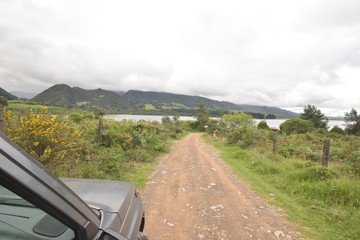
143,102
6,94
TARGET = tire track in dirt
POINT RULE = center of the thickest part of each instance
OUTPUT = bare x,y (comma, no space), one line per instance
194,195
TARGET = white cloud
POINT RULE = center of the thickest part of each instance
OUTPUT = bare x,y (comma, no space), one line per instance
272,53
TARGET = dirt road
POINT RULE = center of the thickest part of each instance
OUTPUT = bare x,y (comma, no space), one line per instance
194,195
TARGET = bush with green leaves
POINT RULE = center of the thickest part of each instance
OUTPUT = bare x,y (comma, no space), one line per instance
263,125
337,130
296,125
354,161
319,173
238,127
3,101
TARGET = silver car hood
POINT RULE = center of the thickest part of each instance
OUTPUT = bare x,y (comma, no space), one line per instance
106,195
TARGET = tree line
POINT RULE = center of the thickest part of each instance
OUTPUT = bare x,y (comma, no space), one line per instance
311,118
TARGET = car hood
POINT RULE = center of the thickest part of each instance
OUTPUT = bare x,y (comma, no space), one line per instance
106,195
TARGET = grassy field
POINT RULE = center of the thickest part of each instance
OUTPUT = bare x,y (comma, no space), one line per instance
24,105
322,203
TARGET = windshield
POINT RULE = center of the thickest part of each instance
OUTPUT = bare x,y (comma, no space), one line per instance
20,219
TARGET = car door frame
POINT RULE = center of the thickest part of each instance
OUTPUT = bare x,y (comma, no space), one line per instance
23,175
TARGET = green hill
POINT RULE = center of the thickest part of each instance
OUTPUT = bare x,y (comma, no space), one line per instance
64,95
6,94
142,102
165,101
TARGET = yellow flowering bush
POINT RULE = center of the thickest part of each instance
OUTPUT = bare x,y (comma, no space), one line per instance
45,138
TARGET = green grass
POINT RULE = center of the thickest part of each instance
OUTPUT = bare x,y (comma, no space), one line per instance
139,175
21,105
321,203
149,107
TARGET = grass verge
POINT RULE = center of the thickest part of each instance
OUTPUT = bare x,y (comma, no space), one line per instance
321,203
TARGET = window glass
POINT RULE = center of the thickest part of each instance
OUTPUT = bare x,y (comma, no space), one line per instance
20,220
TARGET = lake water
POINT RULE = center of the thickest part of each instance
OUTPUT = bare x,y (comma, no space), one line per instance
273,123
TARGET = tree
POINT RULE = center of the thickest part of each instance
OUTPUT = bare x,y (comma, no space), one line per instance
166,120
98,113
296,125
238,127
314,115
352,120
3,101
202,116
176,118
239,120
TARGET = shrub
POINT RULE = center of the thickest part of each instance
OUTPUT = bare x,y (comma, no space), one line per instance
75,117
238,127
337,130
47,139
287,150
3,101
296,125
263,125
318,173
166,120
354,161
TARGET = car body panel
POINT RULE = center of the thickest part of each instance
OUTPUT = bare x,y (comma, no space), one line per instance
77,202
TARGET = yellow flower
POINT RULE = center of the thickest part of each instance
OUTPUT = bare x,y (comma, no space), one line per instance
47,151
36,144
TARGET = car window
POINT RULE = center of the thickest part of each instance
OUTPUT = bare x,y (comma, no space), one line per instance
20,220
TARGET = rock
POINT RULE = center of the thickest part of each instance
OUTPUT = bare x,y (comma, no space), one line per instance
272,195
203,189
217,207
200,236
183,189
279,234
170,224
213,169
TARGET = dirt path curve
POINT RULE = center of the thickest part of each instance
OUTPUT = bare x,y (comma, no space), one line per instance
194,195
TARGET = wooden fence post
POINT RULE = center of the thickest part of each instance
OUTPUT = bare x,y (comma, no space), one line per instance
100,129
1,118
275,142
326,151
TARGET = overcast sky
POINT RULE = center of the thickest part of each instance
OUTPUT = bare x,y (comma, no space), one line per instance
274,53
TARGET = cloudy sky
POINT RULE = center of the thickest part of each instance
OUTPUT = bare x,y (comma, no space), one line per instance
275,53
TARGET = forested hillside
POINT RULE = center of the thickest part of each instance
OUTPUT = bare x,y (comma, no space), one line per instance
142,102
64,95
6,94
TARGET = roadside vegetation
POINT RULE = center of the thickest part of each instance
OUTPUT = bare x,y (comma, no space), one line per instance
324,201
76,145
